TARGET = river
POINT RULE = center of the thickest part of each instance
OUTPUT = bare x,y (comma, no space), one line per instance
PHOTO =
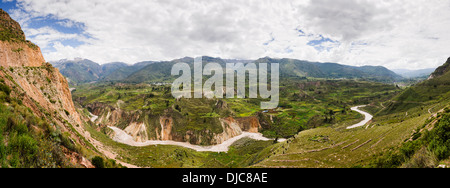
366,120
124,138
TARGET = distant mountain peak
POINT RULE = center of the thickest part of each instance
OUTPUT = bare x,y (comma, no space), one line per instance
441,70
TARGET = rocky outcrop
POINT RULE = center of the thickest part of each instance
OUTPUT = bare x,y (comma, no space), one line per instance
138,131
15,50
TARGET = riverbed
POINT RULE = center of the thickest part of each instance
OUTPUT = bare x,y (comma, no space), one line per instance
367,117
124,138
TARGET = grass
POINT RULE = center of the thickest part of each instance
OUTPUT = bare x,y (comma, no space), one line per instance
303,152
385,143
32,142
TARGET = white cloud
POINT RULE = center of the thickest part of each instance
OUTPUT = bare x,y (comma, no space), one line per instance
395,34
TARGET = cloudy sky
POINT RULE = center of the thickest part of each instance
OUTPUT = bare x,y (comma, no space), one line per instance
398,34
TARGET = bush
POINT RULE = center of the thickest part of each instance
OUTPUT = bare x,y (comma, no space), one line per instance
438,139
5,89
67,142
422,159
98,162
67,112
389,159
25,146
11,123
425,152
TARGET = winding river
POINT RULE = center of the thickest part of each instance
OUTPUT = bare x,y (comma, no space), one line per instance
366,120
124,138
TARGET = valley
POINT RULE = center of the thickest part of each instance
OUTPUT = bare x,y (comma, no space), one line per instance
324,103
80,114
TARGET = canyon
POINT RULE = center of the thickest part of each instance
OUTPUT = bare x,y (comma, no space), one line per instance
143,126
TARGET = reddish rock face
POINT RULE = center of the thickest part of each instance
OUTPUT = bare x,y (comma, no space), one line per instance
20,54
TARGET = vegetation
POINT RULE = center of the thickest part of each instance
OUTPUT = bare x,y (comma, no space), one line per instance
304,104
424,151
28,141
10,31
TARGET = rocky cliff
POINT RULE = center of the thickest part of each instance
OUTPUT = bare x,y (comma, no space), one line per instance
15,50
33,82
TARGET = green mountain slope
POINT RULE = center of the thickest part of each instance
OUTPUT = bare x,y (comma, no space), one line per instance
83,70
433,90
123,72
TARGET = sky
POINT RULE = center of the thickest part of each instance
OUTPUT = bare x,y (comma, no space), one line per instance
397,34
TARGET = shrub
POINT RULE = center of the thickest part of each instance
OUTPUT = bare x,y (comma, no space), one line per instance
11,122
438,139
98,162
67,142
422,159
25,146
5,89
67,112
21,128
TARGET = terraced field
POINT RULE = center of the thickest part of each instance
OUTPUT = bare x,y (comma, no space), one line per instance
340,147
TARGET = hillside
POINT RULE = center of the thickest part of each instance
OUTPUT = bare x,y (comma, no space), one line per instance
124,72
409,131
442,70
433,90
84,71
297,68
80,71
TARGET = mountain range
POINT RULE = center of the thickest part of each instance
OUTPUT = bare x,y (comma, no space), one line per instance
84,71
